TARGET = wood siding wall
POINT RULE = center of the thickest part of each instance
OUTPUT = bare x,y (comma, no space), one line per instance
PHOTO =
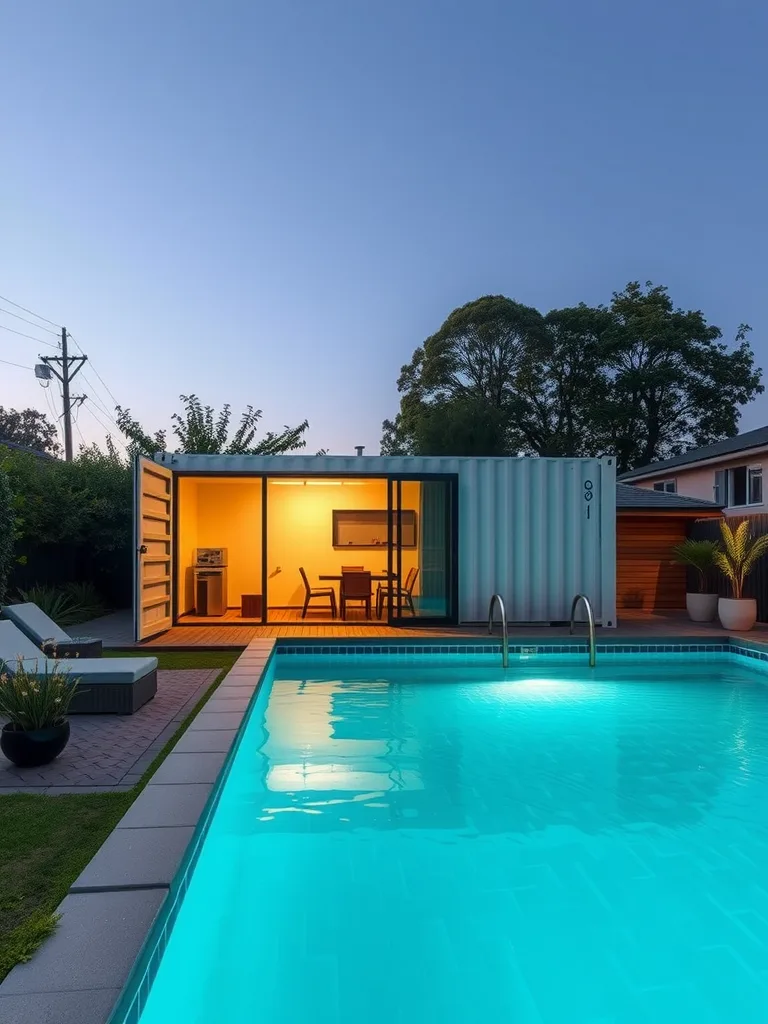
645,578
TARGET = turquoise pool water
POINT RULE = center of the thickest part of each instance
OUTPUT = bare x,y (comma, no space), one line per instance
401,843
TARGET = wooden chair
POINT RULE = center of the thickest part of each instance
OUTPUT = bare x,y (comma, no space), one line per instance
355,586
325,593
404,593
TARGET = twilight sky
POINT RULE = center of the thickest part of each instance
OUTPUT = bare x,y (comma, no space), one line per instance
275,203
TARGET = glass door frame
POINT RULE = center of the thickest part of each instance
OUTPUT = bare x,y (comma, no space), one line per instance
395,615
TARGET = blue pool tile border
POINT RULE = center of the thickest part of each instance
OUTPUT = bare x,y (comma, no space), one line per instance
522,649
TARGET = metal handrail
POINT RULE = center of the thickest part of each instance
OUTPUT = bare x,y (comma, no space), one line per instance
590,622
504,629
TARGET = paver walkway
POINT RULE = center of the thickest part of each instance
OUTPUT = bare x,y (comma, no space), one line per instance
112,751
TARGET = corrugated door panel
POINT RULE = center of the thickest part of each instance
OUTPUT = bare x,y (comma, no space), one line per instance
646,577
154,549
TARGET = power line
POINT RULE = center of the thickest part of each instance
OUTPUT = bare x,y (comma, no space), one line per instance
104,427
101,405
104,383
21,366
31,337
30,311
32,322
54,416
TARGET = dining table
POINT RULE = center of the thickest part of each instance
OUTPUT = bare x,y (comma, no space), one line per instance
377,577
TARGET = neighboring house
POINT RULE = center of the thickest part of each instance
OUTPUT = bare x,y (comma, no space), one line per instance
649,524
730,473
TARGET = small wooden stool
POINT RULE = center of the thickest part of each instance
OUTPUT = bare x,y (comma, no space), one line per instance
251,606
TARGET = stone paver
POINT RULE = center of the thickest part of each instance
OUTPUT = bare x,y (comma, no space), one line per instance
136,858
94,946
114,750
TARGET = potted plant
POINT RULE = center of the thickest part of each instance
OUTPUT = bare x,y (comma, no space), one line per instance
36,705
736,561
699,555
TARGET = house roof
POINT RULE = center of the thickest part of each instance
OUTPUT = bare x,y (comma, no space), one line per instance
25,448
730,446
628,496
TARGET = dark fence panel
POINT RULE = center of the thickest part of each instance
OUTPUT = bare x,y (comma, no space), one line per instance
756,584
111,572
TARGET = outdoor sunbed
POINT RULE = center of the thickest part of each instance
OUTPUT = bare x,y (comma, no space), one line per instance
45,634
117,685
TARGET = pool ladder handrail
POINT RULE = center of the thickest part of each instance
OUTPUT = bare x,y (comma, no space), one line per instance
590,623
498,599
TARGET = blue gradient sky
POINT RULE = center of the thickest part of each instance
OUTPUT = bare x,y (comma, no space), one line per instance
275,203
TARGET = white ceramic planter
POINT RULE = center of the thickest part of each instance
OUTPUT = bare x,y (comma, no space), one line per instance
738,615
701,607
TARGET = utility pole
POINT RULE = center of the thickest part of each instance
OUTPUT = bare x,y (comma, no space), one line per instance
70,366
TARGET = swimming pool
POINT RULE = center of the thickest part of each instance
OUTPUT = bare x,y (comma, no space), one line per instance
428,841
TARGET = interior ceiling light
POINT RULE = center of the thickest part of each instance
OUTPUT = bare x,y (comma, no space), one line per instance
322,483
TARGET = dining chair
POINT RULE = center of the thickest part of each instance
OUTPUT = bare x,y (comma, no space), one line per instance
324,593
355,586
404,593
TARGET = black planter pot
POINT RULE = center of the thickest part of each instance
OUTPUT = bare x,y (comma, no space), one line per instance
31,749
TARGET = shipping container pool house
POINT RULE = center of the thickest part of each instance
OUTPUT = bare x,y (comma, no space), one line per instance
262,540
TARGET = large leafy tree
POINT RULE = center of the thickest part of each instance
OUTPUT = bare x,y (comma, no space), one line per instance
463,387
29,427
640,379
673,384
200,431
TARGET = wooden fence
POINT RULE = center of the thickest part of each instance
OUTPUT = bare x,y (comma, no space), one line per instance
757,582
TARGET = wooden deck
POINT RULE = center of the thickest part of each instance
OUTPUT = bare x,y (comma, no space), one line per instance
116,632
277,616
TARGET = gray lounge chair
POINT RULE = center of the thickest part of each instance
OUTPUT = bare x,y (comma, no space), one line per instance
45,634
107,685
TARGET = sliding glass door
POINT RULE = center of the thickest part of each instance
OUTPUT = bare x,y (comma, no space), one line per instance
422,551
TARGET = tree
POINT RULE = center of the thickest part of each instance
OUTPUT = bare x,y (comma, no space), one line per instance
199,431
473,366
29,427
639,379
72,521
673,385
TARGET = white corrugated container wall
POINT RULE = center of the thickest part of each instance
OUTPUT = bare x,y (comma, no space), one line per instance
537,531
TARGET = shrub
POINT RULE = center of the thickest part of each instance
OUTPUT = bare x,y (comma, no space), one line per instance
740,554
33,699
700,555
7,519
67,605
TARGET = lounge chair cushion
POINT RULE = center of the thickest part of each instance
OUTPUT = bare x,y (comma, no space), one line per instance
14,645
35,624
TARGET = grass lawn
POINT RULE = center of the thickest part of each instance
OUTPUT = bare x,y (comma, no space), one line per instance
46,841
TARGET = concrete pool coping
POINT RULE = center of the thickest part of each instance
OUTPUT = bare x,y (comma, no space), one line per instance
98,965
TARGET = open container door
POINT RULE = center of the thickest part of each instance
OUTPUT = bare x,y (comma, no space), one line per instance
153,544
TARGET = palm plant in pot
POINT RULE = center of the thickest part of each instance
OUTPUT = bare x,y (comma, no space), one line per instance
36,704
737,559
699,555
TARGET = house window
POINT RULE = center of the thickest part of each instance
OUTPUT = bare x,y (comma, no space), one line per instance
668,486
755,477
740,486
